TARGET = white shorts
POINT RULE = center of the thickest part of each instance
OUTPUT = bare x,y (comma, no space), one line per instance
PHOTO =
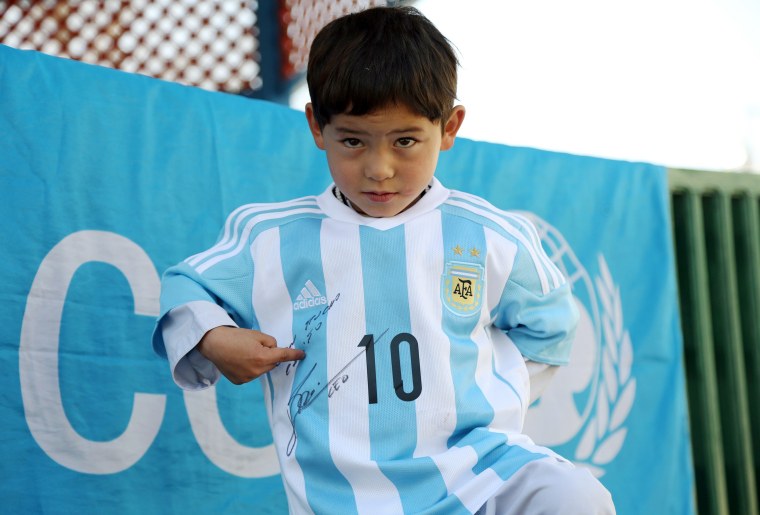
553,487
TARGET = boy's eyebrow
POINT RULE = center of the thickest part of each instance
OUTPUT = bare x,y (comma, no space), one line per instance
348,130
351,130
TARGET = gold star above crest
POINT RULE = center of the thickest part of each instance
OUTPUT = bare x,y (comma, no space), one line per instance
458,250
474,252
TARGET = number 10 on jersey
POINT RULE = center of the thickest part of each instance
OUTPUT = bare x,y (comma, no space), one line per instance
398,381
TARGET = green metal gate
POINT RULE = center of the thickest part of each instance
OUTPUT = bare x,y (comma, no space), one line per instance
716,226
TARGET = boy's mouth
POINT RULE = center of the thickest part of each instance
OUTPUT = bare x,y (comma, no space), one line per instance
378,196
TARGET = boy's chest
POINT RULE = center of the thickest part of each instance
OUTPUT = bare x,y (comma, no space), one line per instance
383,279
391,322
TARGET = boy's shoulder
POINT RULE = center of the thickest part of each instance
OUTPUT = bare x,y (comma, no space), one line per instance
278,204
512,224
478,206
251,218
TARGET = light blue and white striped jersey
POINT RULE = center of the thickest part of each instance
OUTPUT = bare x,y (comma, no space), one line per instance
413,392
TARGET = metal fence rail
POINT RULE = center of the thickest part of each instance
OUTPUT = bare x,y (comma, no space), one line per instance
716,226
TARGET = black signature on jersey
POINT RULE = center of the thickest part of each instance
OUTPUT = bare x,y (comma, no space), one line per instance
303,397
312,325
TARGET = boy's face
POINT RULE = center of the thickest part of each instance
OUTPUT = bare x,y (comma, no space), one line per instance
384,160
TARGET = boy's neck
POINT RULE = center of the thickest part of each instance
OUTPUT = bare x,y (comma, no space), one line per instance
345,200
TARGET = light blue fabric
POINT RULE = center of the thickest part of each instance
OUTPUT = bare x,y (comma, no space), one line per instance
108,178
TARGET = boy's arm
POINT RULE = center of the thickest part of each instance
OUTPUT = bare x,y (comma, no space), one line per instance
242,355
206,302
542,326
540,375
537,309
180,330
202,343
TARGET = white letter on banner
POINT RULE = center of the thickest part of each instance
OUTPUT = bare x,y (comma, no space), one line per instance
219,446
38,354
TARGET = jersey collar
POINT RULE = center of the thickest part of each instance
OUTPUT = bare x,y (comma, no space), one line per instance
336,209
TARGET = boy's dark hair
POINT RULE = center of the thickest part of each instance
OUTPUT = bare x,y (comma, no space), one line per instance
378,57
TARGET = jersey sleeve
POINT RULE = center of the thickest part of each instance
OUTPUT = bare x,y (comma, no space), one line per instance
537,309
221,276
181,329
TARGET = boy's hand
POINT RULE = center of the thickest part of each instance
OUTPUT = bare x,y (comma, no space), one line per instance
242,355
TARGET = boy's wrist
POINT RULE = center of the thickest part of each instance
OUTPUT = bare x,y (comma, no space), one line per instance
207,344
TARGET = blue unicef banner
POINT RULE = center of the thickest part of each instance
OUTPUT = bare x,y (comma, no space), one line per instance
107,179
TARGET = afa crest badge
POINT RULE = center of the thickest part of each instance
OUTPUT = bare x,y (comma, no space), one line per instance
462,287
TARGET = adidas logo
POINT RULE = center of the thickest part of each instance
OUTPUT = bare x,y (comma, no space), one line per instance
309,297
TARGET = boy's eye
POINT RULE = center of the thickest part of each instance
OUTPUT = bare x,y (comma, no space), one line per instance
352,142
405,142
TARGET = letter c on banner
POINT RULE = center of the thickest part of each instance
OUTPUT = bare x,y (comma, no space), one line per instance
219,446
38,354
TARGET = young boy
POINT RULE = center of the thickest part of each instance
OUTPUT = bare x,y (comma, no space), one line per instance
392,321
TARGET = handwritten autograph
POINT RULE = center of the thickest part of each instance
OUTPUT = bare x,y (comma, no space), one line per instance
303,397
312,325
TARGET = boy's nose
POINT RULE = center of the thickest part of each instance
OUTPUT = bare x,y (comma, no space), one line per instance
378,168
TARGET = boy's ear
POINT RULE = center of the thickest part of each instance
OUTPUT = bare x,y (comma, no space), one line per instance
316,132
451,127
